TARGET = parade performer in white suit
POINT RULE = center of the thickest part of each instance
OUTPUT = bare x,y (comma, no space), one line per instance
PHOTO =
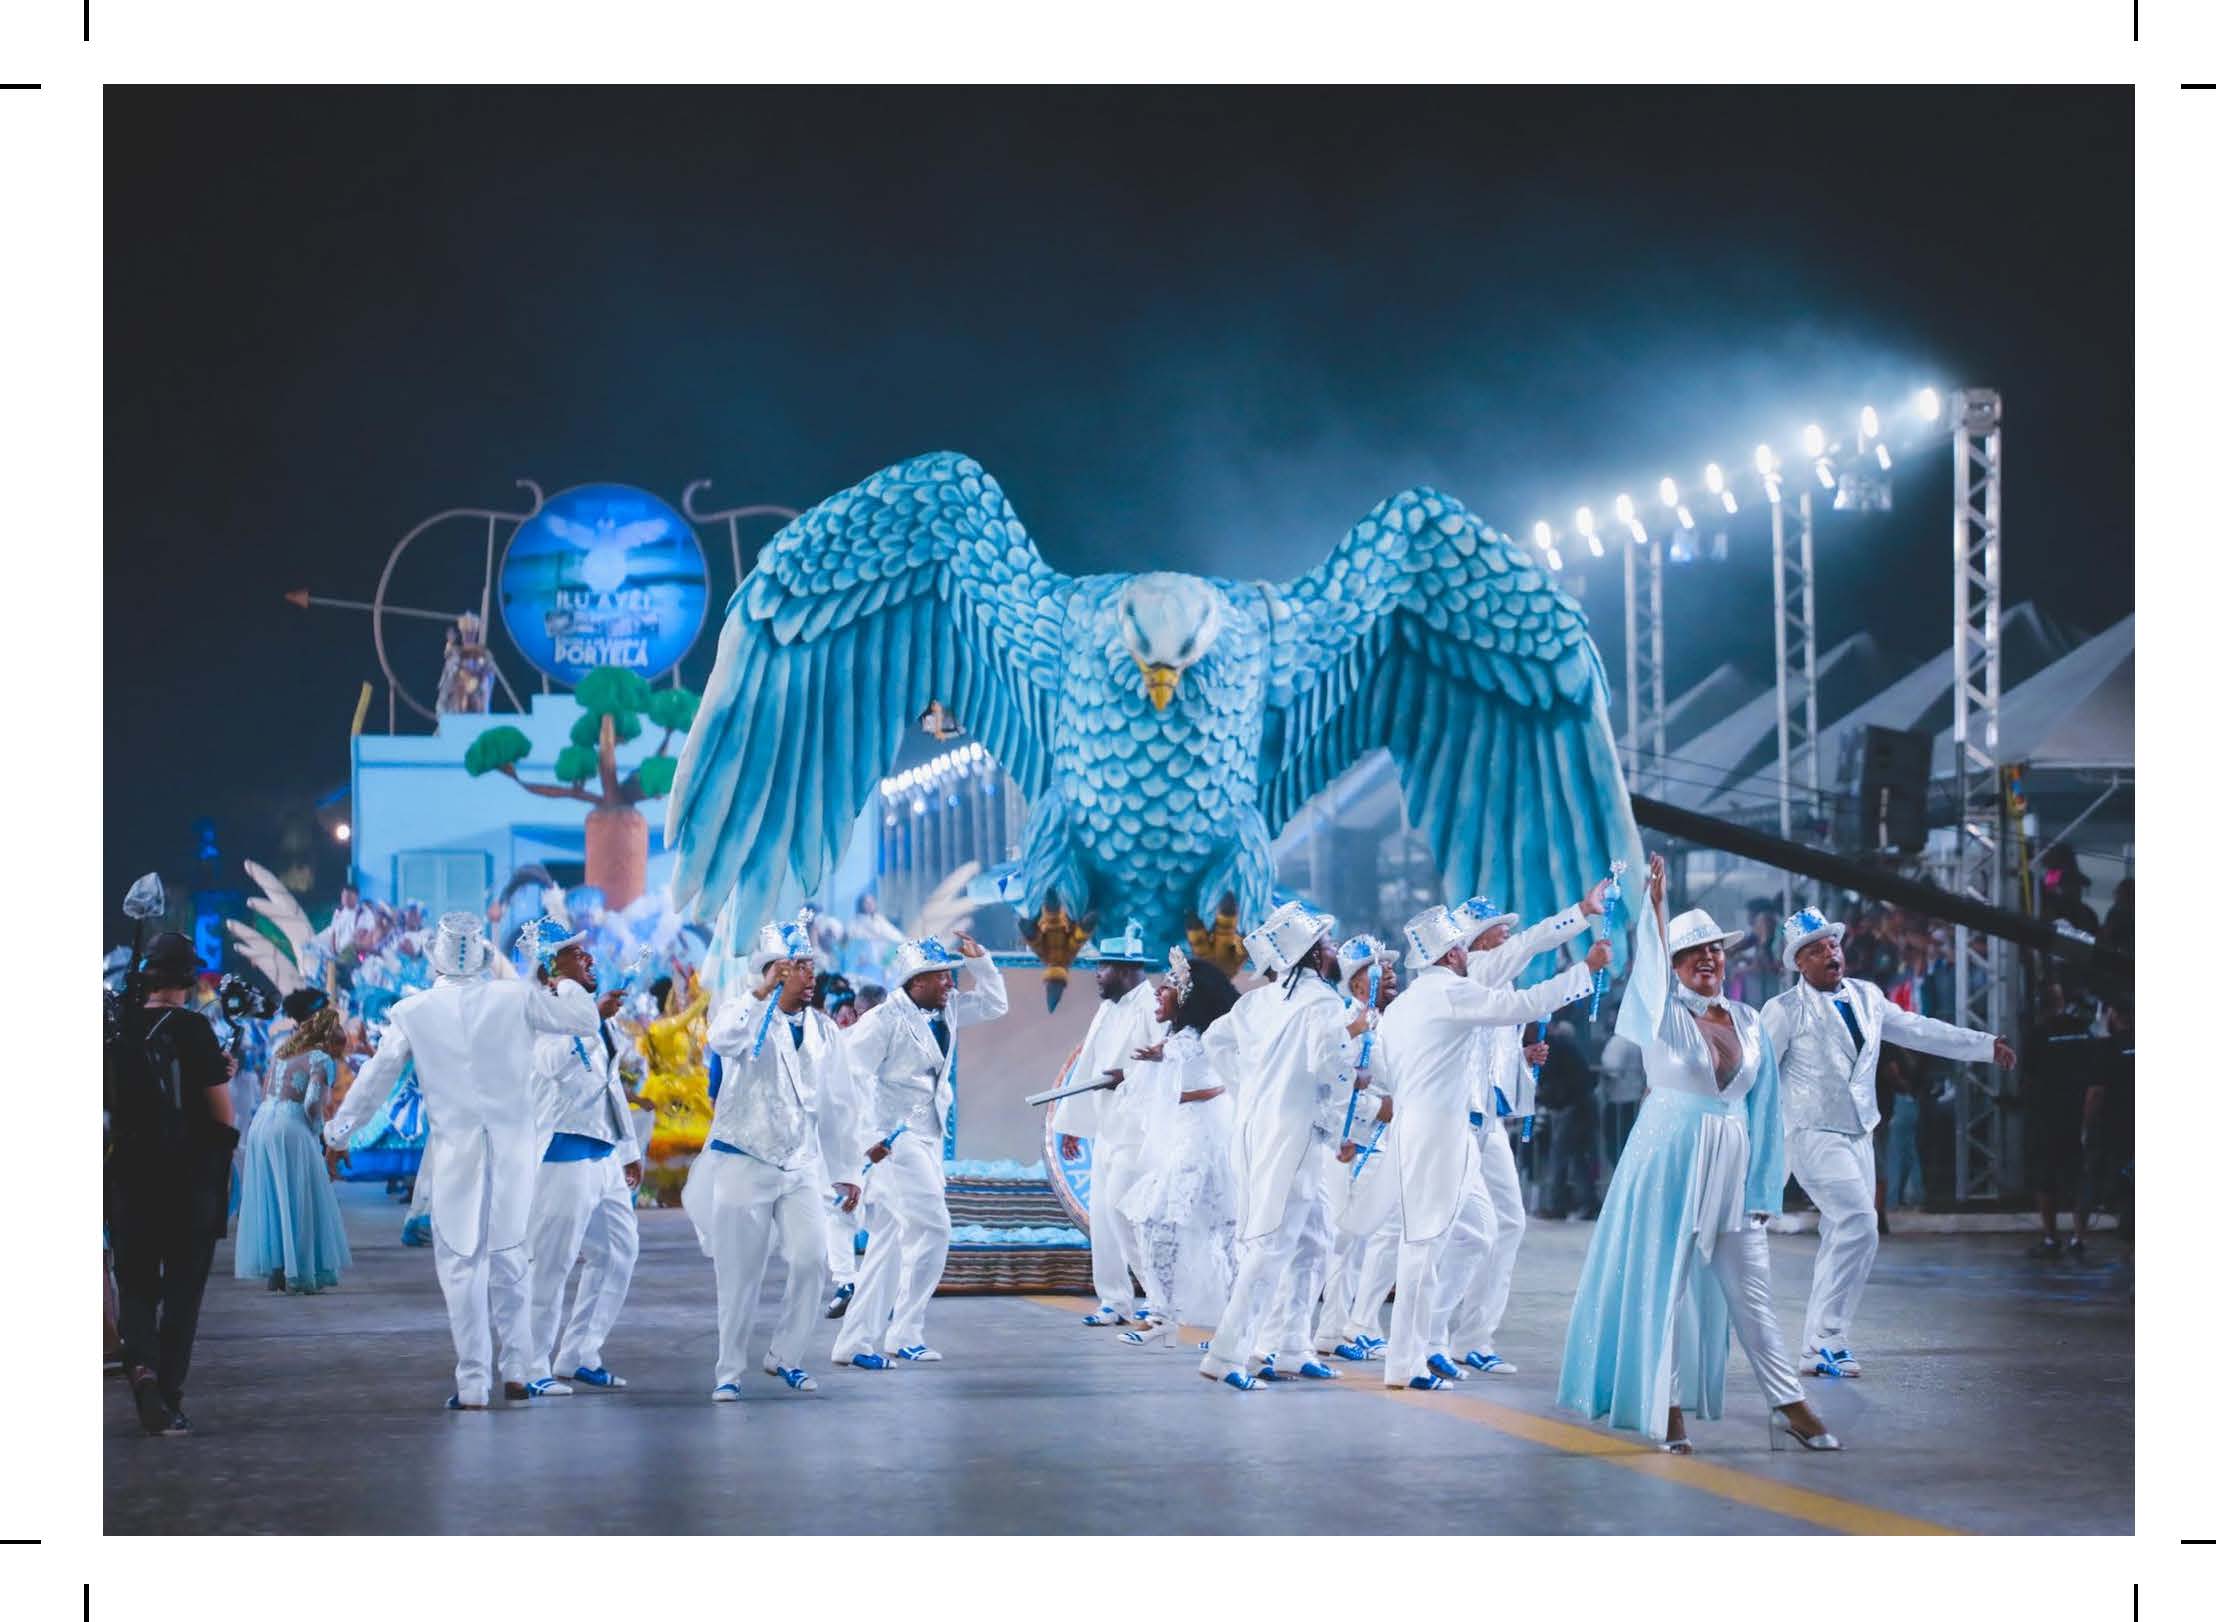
1280,1049
1447,1220
1361,1195
907,1051
581,1204
1680,1256
770,1162
1502,1094
472,1039
1123,1025
1826,1032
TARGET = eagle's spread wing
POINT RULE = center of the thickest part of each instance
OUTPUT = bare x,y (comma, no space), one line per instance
1427,634
917,584
282,908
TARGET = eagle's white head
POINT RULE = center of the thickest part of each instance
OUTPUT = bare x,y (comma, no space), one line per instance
1169,622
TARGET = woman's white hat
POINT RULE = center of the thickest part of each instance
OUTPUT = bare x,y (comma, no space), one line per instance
1696,928
1285,938
920,957
1807,926
1435,932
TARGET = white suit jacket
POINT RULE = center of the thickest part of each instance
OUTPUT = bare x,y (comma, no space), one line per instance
473,1042
1423,1044
1824,1084
1118,1030
896,1059
1279,1052
575,1078
1496,1053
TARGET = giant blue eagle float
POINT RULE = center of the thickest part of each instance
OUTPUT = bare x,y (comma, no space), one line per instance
1163,727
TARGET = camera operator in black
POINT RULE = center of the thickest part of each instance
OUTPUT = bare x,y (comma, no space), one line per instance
168,1175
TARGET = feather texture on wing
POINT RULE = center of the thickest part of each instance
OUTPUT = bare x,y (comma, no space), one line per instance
277,904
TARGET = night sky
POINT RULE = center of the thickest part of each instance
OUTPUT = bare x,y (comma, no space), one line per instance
1202,329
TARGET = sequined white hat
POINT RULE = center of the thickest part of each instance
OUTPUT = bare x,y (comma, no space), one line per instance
1806,926
1433,933
774,942
459,951
1286,937
1477,915
920,957
1362,952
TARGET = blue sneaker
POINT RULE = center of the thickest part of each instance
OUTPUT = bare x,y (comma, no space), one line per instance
1428,1382
1443,1366
416,1231
549,1387
600,1379
840,1298
796,1379
1376,1343
1240,1380
1268,1370
918,1353
1352,1351
1103,1319
725,1393
1317,1371
871,1360
1487,1363
456,1405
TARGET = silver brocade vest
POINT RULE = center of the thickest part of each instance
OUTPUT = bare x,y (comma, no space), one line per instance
763,1106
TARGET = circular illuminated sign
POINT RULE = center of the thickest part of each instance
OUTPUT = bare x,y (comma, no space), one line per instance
604,575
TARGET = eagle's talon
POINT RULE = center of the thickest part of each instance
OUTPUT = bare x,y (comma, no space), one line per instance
1056,939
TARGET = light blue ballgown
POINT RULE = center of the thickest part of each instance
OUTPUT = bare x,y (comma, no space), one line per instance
1699,1160
289,1218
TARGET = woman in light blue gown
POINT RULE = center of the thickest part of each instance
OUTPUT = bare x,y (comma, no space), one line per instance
1680,1255
290,1228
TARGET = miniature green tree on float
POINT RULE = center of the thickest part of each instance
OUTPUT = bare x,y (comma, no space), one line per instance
618,706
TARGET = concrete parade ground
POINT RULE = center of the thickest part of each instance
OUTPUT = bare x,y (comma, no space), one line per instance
1998,1399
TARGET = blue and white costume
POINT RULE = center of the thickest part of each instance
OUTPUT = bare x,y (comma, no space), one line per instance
1423,1053
1114,1122
1677,1257
581,1205
1827,1052
1501,1094
905,1057
765,1176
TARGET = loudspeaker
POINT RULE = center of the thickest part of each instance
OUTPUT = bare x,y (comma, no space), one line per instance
1896,789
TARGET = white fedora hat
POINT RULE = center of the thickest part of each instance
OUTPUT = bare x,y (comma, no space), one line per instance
1433,933
1696,928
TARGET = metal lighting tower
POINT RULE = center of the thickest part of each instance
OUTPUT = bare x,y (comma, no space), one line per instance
1982,966
1793,578
1643,693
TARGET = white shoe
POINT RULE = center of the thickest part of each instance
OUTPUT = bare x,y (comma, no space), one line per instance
724,1393
551,1388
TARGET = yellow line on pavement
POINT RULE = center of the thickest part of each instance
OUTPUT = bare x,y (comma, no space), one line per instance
1719,1481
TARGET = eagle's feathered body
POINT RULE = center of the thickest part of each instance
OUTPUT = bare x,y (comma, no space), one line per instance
1164,727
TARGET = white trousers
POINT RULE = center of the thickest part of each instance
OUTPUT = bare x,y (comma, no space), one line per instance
1259,1292
1115,1241
579,1209
905,1211
1380,1266
1433,1276
1742,1265
488,1302
839,1229
1293,1334
1839,1173
756,1205
1476,1319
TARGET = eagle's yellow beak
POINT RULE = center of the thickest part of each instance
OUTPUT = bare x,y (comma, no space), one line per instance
1161,684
